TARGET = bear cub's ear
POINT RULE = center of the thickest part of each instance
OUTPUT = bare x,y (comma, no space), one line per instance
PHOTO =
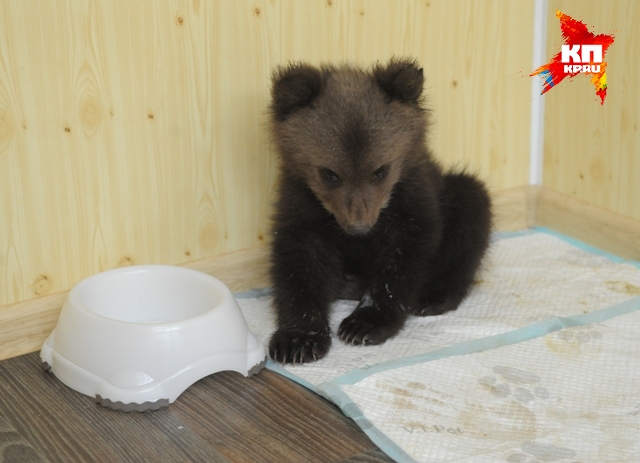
402,79
293,87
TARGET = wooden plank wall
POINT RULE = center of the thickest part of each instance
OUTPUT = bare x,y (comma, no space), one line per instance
134,132
592,152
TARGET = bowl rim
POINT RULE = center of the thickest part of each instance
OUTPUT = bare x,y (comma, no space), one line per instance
74,293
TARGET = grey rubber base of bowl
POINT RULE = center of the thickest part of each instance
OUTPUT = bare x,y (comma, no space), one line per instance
148,406
158,404
132,407
256,368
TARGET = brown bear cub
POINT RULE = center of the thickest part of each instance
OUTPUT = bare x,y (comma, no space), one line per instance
364,212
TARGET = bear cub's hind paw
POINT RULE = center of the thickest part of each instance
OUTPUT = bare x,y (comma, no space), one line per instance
294,345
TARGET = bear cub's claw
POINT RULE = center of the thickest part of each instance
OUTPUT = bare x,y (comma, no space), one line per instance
294,345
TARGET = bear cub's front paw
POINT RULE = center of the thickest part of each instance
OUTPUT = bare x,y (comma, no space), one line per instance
294,345
368,326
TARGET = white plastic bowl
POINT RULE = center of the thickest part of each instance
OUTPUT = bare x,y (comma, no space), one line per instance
135,338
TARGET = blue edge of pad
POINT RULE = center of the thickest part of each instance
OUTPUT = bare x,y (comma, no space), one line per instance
332,390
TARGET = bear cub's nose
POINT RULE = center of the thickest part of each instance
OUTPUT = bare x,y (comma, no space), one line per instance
358,229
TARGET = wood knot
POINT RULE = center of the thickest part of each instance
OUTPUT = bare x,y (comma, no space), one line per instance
126,261
42,285
89,115
207,238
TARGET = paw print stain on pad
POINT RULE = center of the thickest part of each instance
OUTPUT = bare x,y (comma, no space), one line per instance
522,385
581,336
574,341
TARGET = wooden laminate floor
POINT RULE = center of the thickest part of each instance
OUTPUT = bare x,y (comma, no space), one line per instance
222,418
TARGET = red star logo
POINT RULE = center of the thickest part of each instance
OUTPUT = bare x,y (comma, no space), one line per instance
582,53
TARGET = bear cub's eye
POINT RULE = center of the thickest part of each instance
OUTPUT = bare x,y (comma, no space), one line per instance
329,175
380,173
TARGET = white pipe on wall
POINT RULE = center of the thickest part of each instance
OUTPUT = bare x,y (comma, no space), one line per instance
537,99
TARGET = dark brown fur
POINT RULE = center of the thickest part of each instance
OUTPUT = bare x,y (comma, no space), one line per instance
364,211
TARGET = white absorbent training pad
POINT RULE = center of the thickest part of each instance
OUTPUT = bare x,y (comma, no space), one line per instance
541,363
